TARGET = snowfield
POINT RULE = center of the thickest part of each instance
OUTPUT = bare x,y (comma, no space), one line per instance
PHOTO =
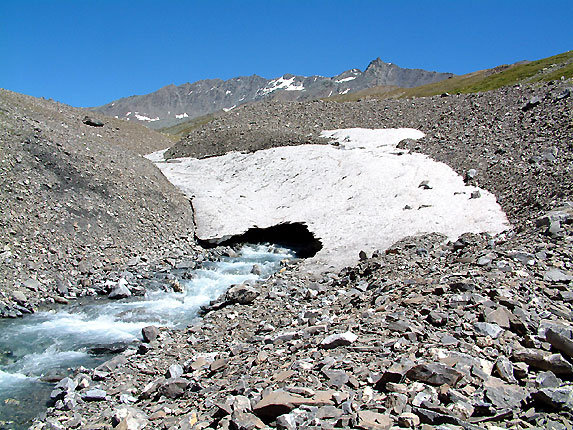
359,194
281,84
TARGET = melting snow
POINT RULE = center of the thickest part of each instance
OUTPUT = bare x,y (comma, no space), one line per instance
354,196
350,78
281,84
345,91
181,115
231,108
145,118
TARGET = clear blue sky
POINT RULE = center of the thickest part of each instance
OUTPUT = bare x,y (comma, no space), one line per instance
87,53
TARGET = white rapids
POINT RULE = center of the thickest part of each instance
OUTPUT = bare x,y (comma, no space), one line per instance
48,343
360,194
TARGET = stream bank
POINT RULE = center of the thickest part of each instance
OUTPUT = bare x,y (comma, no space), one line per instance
45,346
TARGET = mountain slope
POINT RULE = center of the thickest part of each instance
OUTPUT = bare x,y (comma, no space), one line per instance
76,204
172,104
545,69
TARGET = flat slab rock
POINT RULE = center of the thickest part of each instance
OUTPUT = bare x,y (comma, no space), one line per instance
362,193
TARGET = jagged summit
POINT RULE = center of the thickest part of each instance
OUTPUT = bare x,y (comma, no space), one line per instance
172,104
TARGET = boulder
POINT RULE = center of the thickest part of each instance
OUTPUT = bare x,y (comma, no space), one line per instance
149,333
434,374
544,360
120,291
242,294
340,339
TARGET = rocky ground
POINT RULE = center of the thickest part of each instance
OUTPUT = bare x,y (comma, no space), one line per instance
469,335
426,334
78,203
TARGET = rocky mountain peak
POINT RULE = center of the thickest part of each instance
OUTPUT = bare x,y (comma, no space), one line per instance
377,64
173,104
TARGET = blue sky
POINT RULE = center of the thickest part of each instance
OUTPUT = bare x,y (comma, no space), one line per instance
87,53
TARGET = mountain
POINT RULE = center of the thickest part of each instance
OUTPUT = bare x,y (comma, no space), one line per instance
173,104
554,68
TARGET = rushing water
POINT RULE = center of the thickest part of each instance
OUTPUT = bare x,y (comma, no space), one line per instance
44,345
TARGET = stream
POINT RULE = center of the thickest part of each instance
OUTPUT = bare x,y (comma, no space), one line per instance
44,346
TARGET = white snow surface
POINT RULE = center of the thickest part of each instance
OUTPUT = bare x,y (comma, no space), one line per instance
181,115
352,196
145,118
350,78
281,84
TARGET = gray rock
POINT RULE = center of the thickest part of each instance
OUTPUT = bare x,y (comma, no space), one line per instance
242,294
32,284
340,339
504,369
174,371
555,275
547,380
544,360
556,397
561,340
94,395
499,316
149,333
280,402
370,420
120,291
502,395
488,329
174,387
246,421
88,120
129,418
434,374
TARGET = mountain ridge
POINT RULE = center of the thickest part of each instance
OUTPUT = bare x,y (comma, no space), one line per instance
173,104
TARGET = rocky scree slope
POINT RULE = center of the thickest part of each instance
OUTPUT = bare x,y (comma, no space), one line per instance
77,204
426,334
519,139
173,104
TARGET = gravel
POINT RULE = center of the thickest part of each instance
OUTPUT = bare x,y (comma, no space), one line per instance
78,202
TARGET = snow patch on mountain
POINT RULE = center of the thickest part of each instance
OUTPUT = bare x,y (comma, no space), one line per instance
140,117
281,83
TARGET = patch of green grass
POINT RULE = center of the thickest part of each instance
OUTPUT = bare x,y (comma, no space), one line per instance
522,72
